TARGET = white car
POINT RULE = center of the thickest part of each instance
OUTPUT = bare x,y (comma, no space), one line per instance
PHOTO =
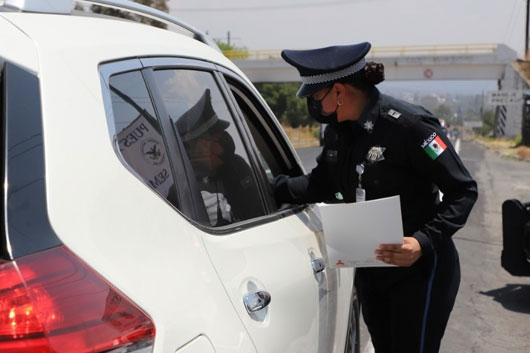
137,208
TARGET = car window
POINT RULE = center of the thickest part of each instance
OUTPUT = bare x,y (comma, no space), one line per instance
138,133
220,163
25,207
274,157
271,154
4,253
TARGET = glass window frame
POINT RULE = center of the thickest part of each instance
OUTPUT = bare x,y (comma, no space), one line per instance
190,64
4,241
275,134
190,200
184,196
22,137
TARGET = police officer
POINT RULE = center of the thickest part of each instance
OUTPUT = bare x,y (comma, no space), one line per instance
377,146
223,177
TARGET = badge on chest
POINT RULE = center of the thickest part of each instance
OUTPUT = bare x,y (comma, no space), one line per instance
374,155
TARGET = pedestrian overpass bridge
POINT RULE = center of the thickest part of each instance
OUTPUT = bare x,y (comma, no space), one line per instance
439,62
405,63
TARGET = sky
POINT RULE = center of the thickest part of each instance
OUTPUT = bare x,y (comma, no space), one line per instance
279,24
298,24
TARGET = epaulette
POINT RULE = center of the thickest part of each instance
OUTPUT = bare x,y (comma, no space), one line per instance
401,112
394,113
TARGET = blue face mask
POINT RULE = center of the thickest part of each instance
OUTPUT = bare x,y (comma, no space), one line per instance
314,108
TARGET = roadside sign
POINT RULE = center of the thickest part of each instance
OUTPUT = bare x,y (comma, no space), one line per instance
514,97
428,73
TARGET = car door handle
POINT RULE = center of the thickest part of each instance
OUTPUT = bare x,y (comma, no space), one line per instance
318,265
256,301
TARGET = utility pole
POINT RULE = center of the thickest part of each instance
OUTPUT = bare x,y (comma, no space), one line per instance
228,39
526,54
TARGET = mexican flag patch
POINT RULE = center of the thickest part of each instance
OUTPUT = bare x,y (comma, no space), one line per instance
435,148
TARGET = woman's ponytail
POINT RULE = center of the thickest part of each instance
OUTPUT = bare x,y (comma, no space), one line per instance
374,73
367,77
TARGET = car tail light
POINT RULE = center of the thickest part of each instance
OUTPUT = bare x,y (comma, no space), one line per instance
53,302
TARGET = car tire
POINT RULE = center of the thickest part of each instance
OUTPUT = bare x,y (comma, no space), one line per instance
353,342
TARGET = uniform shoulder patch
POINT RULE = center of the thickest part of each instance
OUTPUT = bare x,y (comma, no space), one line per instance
433,146
393,113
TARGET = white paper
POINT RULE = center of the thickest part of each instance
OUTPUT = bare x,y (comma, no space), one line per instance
353,231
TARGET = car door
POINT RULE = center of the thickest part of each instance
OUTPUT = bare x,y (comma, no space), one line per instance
270,262
275,157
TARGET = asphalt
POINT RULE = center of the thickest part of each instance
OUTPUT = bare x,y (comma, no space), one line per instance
492,310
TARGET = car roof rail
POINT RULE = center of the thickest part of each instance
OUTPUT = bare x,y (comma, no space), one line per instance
65,7
146,11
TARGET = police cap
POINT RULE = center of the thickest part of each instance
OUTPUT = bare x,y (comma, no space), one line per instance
318,68
199,119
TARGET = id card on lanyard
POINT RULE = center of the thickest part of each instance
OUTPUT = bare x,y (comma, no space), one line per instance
360,193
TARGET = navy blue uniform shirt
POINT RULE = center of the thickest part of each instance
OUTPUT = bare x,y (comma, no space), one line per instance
417,161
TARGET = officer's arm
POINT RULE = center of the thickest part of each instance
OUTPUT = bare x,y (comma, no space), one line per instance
309,188
434,157
312,187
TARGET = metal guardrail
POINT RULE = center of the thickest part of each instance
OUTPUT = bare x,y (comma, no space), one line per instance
451,49
409,50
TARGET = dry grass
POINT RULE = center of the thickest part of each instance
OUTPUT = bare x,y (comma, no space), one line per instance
506,147
304,136
523,152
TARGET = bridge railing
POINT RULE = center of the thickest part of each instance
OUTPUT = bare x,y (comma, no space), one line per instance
450,49
391,51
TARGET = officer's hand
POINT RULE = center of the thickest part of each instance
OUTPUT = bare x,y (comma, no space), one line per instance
404,254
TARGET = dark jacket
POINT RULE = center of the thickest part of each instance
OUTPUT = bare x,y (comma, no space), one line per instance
409,168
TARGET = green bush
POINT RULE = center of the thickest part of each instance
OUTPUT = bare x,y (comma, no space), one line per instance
488,123
289,109
518,140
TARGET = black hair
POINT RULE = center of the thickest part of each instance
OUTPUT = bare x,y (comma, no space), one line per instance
366,78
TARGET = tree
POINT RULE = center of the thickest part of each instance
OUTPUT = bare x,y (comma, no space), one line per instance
443,111
281,98
156,4
429,102
232,51
488,123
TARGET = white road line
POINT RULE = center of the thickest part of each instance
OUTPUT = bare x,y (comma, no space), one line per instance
457,146
369,348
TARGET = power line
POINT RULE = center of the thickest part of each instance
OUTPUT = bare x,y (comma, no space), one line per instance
268,7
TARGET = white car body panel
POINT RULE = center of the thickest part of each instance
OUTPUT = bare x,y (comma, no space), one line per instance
276,258
21,48
199,345
152,255
177,274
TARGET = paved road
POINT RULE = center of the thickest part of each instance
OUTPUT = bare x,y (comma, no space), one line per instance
492,310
